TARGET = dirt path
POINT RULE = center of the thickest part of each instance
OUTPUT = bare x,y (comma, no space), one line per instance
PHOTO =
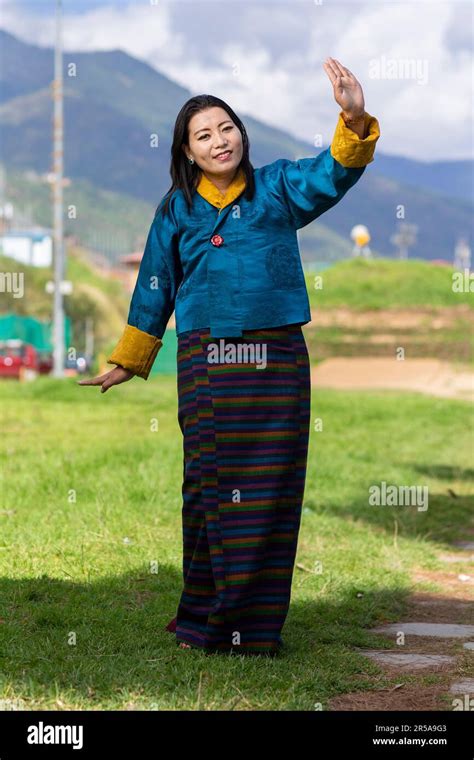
416,318
430,376
439,649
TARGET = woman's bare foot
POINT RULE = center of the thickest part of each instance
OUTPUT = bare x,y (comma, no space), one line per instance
183,645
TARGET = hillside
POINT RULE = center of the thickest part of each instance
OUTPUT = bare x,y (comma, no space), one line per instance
377,307
106,222
382,283
94,295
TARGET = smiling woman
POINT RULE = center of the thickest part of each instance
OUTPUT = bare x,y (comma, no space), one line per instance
222,251
215,143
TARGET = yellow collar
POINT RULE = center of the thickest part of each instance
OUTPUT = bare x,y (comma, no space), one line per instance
211,193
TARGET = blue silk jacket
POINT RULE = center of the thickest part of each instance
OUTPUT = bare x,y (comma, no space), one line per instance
238,268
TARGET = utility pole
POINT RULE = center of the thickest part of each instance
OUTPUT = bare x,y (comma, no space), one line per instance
58,141
404,238
462,255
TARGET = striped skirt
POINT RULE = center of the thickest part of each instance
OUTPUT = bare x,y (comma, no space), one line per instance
244,410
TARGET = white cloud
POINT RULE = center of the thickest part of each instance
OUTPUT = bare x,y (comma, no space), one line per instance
266,59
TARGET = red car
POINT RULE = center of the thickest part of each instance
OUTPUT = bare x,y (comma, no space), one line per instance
18,360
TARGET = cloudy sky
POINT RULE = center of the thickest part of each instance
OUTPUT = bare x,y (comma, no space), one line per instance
413,59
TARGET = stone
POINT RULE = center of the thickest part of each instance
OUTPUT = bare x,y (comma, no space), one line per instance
466,545
463,687
441,603
454,558
440,630
409,661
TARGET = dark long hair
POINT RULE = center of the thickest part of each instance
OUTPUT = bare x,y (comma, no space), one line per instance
186,176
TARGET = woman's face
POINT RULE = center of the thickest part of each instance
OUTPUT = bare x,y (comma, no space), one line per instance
212,132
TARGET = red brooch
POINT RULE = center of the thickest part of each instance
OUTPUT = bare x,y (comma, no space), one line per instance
217,240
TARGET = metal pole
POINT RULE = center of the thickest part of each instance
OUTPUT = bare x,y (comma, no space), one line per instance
59,266
89,340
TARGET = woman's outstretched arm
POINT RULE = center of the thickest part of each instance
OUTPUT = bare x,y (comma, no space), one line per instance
151,306
306,188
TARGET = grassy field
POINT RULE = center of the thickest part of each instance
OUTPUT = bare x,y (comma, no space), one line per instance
382,283
371,307
90,547
438,321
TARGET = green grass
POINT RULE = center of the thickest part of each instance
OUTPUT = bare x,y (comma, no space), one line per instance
91,499
445,317
451,345
384,283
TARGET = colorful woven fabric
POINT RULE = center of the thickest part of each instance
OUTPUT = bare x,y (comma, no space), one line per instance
245,437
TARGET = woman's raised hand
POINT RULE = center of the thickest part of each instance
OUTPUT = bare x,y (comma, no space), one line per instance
347,90
114,377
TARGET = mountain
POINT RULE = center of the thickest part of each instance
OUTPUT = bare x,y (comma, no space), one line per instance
452,179
114,103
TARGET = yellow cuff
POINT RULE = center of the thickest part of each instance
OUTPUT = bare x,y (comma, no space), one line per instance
348,149
136,351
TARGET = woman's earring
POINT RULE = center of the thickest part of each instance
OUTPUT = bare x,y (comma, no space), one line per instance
191,160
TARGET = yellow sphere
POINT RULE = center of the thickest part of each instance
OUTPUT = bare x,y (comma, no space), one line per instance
360,234
362,239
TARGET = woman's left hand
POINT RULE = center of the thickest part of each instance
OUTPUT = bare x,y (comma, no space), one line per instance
347,90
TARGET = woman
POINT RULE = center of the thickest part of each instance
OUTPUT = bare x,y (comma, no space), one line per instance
235,281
